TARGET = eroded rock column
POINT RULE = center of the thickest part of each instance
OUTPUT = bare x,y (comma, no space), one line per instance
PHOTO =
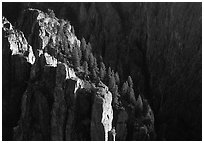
102,114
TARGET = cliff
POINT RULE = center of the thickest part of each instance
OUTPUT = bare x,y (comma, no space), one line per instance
48,93
158,44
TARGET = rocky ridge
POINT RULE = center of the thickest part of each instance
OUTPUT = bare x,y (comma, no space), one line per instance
158,44
58,102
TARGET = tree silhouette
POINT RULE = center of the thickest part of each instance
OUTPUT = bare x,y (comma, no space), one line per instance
116,96
109,73
51,13
89,47
83,44
124,88
94,69
102,71
131,96
93,74
91,61
139,104
86,50
111,84
79,53
86,54
117,79
75,57
85,68
130,82
95,66
72,30
100,59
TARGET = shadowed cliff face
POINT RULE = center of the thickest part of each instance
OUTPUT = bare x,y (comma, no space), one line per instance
58,102
17,58
51,102
158,44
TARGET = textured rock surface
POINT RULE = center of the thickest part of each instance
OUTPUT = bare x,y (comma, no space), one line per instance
56,104
17,57
102,114
37,101
158,44
59,108
82,115
47,74
121,126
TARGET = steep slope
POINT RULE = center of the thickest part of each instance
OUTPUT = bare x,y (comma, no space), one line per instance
65,98
158,44
17,59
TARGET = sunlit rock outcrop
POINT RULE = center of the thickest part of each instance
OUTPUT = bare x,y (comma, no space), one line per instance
102,114
17,59
17,41
50,105
62,101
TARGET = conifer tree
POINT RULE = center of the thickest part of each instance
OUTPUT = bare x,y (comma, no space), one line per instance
85,68
79,53
94,69
139,103
100,59
86,54
116,96
102,71
111,84
117,79
51,13
91,61
93,74
75,57
95,66
109,72
116,91
72,30
145,106
124,88
88,46
108,76
130,82
83,44
132,95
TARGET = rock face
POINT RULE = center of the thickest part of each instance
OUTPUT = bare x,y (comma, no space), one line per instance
52,105
158,44
46,102
102,114
34,123
121,126
58,112
17,58
52,100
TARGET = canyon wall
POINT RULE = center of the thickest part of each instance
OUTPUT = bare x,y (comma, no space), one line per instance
45,97
158,44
